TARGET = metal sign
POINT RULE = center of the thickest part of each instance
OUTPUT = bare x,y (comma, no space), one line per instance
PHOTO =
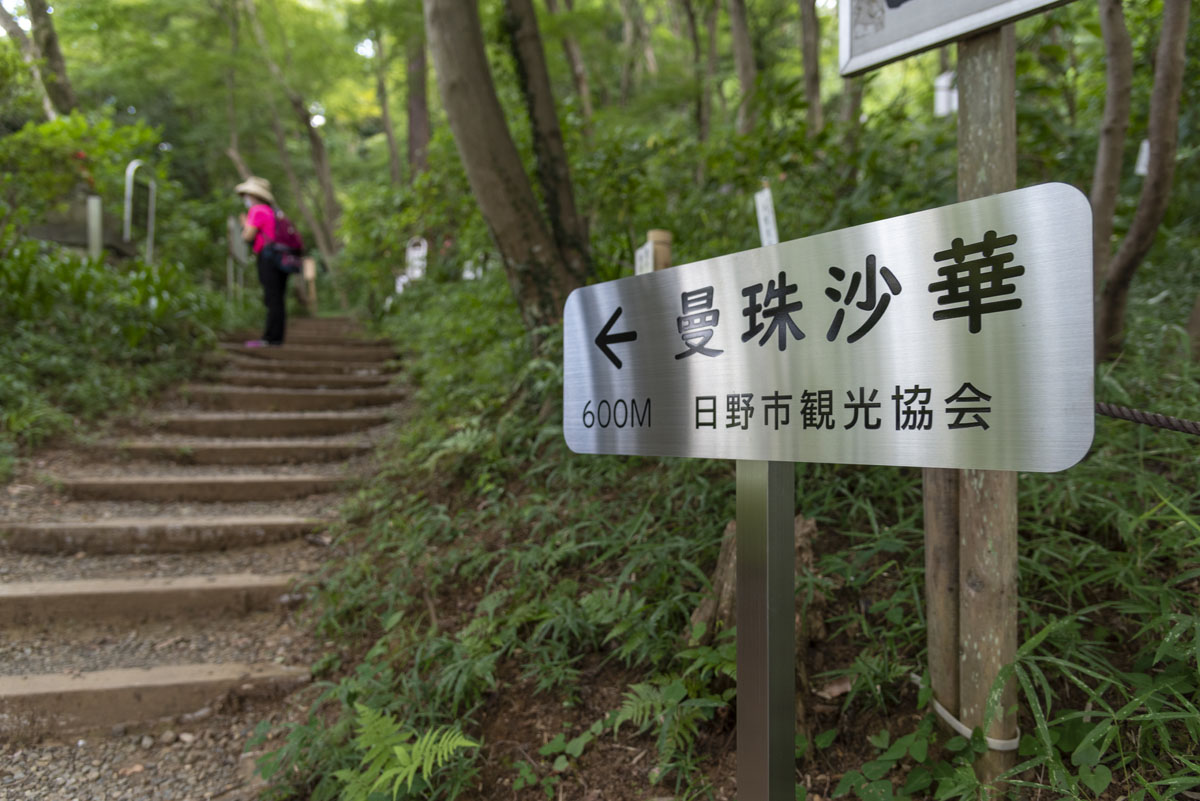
415,257
764,205
956,337
873,32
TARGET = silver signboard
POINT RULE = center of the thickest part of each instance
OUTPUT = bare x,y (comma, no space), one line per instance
955,337
874,32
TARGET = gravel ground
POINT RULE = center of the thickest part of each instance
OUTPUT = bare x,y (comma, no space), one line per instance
259,637
196,757
296,556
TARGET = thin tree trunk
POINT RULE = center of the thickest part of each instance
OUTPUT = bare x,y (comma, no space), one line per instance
385,114
54,73
574,57
316,145
1106,179
419,127
629,47
30,56
810,45
743,58
234,151
539,278
1156,191
710,68
553,168
698,74
1193,330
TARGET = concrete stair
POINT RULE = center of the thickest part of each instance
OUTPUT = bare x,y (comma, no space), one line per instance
155,535
249,378
268,424
240,451
271,399
277,411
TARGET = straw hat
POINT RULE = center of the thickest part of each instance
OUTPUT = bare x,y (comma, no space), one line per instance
256,187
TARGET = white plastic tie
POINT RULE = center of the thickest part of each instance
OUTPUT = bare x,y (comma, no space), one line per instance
962,728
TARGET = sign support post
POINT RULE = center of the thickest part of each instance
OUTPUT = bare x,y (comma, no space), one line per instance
987,563
766,604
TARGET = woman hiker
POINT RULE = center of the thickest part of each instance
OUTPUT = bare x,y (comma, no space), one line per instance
258,226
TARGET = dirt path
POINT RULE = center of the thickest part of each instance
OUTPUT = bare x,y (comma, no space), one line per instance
148,580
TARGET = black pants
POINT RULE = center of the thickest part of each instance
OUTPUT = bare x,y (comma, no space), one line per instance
274,284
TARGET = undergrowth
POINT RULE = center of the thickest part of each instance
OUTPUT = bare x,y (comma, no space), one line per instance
486,559
83,338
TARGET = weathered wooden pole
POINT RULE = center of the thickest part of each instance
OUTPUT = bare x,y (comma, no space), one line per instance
941,582
661,240
987,562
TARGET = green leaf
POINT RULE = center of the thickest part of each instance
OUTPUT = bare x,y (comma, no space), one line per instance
876,791
880,740
1096,779
560,764
851,781
576,746
918,780
876,769
956,744
1085,755
826,738
555,746
919,749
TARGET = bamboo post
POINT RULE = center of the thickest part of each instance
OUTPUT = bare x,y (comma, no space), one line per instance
987,569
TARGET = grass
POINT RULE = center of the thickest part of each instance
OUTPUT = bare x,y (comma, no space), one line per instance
486,561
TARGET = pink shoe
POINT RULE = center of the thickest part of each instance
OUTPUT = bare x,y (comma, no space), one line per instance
255,343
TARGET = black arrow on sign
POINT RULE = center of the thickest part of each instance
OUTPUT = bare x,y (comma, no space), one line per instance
604,339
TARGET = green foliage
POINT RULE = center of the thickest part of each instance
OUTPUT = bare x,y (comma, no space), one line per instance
83,338
394,757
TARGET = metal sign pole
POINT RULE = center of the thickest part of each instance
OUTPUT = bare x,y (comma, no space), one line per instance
766,602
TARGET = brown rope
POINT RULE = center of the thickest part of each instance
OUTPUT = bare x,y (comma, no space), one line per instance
1149,418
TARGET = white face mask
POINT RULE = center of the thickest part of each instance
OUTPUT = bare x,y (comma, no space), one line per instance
247,200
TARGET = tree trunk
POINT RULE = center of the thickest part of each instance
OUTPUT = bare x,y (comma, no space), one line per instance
539,277
574,57
553,169
710,66
234,151
385,114
629,47
693,30
30,56
743,58
810,44
316,145
419,127
54,74
1193,330
1156,191
1106,179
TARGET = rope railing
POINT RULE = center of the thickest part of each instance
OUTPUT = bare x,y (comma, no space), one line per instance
1149,418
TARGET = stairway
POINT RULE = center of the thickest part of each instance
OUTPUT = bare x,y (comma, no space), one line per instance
151,574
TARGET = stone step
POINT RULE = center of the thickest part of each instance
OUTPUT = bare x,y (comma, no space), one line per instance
139,600
268,424
35,704
239,451
269,399
316,353
313,336
154,535
247,378
226,488
309,367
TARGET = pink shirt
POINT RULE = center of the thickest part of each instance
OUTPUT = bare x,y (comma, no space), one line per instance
262,217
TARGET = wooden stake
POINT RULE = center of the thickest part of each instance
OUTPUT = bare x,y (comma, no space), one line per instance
662,247
941,583
987,165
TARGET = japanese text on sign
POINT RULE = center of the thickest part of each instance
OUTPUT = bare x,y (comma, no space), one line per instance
956,337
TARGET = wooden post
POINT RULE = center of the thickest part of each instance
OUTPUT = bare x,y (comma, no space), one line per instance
662,247
987,570
941,583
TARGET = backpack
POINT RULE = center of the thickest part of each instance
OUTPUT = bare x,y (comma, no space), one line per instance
288,244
